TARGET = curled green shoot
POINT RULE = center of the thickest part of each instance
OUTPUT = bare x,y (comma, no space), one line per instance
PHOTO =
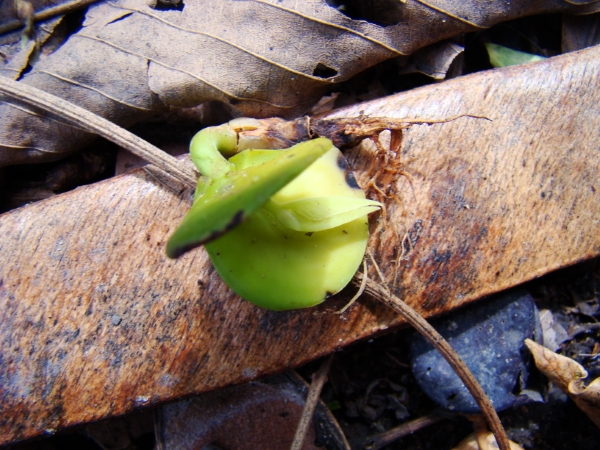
284,228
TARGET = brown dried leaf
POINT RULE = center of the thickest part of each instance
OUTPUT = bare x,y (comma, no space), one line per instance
483,441
433,60
262,57
263,414
580,32
568,375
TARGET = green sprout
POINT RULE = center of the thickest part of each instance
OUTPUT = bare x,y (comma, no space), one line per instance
503,56
284,229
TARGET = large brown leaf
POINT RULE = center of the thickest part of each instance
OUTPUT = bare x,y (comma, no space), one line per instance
96,321
262,57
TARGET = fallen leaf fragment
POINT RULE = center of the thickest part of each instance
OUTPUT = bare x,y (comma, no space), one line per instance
503,56
553,333
485,441
569,376
262,414
433,60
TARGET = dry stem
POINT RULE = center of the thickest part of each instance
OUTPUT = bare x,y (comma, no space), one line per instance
44,14
428,332
378,441
314,392
94,123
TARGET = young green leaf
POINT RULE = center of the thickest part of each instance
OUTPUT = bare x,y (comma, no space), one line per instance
321,213
503,56
229,199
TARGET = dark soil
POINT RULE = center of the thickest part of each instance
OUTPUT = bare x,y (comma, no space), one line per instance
372,388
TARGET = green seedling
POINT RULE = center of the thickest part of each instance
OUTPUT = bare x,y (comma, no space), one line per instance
284,228
503,56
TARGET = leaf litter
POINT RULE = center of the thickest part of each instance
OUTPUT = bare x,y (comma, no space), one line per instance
130,59
375,417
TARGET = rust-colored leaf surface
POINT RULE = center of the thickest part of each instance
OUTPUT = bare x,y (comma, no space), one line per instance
96,321
134,58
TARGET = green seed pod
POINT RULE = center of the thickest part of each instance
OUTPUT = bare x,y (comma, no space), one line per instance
284,228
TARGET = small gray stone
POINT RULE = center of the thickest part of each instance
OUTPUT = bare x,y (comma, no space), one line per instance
489,337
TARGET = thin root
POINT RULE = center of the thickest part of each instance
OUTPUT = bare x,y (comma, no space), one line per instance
378,270
361,289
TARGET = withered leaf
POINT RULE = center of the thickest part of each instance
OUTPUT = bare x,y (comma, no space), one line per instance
569,376
483,441
261,57
96,322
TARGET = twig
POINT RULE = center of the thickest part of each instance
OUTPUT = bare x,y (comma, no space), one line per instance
436,339
582,328
99,125
63,8
318,380
378,441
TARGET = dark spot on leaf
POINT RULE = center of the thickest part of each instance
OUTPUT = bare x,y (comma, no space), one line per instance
351,181
309,234
342,163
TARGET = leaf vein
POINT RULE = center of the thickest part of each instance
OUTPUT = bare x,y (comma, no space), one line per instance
446,13
333,25
225,41
160,63
98,91
33,113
